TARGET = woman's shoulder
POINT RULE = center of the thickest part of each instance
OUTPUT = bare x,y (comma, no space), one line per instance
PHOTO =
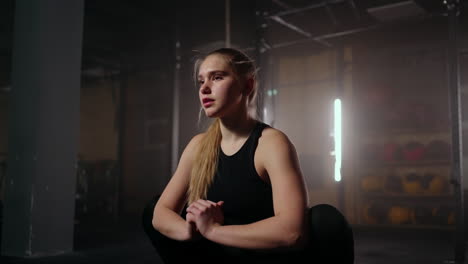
271,137
275,148
194,143
198,137
195,140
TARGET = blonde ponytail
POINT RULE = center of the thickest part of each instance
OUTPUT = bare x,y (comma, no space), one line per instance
206,163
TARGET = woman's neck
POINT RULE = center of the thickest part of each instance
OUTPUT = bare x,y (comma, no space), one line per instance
233,129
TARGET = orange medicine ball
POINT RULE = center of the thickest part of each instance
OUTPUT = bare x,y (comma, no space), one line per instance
398,215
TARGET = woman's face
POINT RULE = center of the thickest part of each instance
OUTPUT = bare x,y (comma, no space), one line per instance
219,90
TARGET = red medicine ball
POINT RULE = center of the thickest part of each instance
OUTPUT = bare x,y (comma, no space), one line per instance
414,151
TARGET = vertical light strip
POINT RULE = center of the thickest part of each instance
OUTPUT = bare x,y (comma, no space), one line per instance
337,138
176,111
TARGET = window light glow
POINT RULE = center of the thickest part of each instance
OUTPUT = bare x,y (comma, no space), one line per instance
337,138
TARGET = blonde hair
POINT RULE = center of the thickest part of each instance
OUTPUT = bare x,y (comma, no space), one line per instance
206,159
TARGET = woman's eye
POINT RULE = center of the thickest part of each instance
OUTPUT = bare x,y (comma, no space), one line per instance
218,78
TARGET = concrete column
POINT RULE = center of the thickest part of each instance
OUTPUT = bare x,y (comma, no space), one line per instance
43,128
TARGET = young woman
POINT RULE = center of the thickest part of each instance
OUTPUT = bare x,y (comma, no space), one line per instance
238,193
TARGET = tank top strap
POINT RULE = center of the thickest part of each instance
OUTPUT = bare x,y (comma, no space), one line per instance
256,133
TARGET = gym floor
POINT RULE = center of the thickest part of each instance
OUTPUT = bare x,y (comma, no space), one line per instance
125,242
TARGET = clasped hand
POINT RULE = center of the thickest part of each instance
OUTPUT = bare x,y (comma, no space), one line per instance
205,215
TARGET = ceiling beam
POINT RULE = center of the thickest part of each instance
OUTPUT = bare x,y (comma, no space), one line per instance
298,30
323,3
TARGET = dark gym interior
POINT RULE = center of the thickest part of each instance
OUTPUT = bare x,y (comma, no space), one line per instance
97,103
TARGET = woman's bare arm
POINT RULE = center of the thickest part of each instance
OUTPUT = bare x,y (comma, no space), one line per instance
166,215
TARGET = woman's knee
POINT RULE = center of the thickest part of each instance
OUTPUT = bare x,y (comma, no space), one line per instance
328,224
326,218
331,232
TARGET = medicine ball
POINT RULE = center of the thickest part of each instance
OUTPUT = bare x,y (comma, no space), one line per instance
438,185
413,151
398,215
426,179
371,183
412,183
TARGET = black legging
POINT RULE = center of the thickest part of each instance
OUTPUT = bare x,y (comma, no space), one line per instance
330,241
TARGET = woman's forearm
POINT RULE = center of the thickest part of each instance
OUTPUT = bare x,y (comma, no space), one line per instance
266,234
171,224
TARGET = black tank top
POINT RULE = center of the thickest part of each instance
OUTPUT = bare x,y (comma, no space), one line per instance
247,198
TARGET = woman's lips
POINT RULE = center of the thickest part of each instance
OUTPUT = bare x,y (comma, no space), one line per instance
207,102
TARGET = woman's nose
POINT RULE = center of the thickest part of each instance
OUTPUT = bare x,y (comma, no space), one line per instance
205,88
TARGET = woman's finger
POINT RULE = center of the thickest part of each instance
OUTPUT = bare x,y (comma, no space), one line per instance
210,202
189,217
206,203
194,210
199,205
